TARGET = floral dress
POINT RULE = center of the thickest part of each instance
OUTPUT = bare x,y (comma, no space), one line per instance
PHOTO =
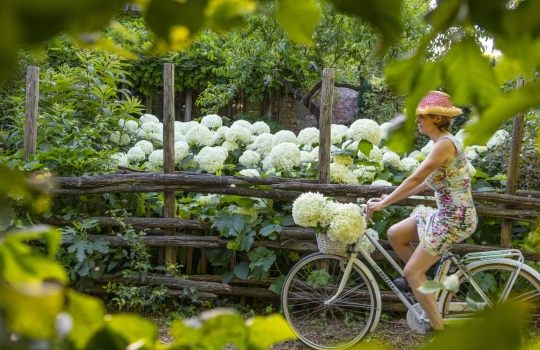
455,219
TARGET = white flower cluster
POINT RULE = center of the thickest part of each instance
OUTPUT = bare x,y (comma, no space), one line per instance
145,146
250,158
365,129
259,128
375,155
308,136
381,183
181,151
347,223
284,136
238,133
200,135
242,123
120,159
136,155
408,164
341,174
208,200
212,121
210,159
262,144
498,139
249,172
219,135
337,133
284,156
120,139
129,125
391,159
156,158
385,129
365,173
306,157
308,209
366,243
148,118
184,127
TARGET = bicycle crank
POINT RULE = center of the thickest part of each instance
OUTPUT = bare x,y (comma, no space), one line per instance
420,326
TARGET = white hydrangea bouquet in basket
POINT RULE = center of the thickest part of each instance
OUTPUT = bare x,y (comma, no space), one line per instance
336,224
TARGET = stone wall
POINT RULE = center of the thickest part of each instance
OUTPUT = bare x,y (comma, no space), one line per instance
295,116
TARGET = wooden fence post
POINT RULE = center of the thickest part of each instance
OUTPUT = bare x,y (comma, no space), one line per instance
513,171
31,112
149,104
169,209
187,106
325,123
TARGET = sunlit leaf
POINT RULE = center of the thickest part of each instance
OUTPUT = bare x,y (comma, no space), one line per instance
298,19
87,313
265,331
385,16
430,287
222,15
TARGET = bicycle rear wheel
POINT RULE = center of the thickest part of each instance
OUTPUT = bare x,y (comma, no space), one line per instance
492,278
339,324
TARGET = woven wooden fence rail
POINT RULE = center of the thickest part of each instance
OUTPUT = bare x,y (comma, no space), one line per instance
293,239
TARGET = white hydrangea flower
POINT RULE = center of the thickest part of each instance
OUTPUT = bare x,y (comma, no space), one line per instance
124,140
238,133
385,129
420,157
146,146
307,209
115,137
229,145
365,129
385,149
347,224
414,154
249,172
427,148
391,158
381,183
179,137
181,151
120,159
472,169
365,173
350,145
243,123
184,127
471,155
343,160
306,157
153,167
209,200
315,153
151,128
340,174
129,125
135,155
148,118
285,156
375,155
262,144
337,133
366,243
259,128
498,139
219,135
308,136
284,136
212,121
210,159
480,149
408,164
225,151
199,135
156,157
249,158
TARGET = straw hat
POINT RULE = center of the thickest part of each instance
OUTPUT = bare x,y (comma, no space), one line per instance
439,103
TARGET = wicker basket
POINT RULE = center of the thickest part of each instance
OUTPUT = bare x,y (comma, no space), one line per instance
330,247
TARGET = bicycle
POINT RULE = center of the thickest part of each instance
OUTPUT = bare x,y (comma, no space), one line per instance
332,301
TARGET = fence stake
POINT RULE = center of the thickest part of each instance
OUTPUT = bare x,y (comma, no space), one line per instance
31,112
325,122
169,205
513,171
187,108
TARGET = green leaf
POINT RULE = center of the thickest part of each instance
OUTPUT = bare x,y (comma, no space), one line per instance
298,19
266,331
87,313
267,230
466,60
227,276
245,240
502,108
385,16
224,15
365,147
277,285
82,247
241,270
261,256
430,287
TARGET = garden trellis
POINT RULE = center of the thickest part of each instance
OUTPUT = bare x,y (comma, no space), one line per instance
164,232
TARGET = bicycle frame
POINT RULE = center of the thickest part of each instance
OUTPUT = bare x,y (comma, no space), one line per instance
441,273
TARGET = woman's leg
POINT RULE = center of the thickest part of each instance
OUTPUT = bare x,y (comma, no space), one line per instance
415,273
401,235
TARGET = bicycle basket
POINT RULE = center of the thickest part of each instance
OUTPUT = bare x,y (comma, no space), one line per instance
328,246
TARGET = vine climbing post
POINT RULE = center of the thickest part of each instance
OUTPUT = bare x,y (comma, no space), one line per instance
325,123
169,205
513,170
31,112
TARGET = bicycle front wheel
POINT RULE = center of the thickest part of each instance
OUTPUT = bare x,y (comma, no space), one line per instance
335,325
493,278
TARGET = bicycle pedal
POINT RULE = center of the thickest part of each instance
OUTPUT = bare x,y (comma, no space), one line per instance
402,284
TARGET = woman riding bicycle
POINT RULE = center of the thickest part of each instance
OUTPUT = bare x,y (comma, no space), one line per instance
445,170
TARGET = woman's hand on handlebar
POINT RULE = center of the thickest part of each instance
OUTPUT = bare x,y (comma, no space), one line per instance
373,206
